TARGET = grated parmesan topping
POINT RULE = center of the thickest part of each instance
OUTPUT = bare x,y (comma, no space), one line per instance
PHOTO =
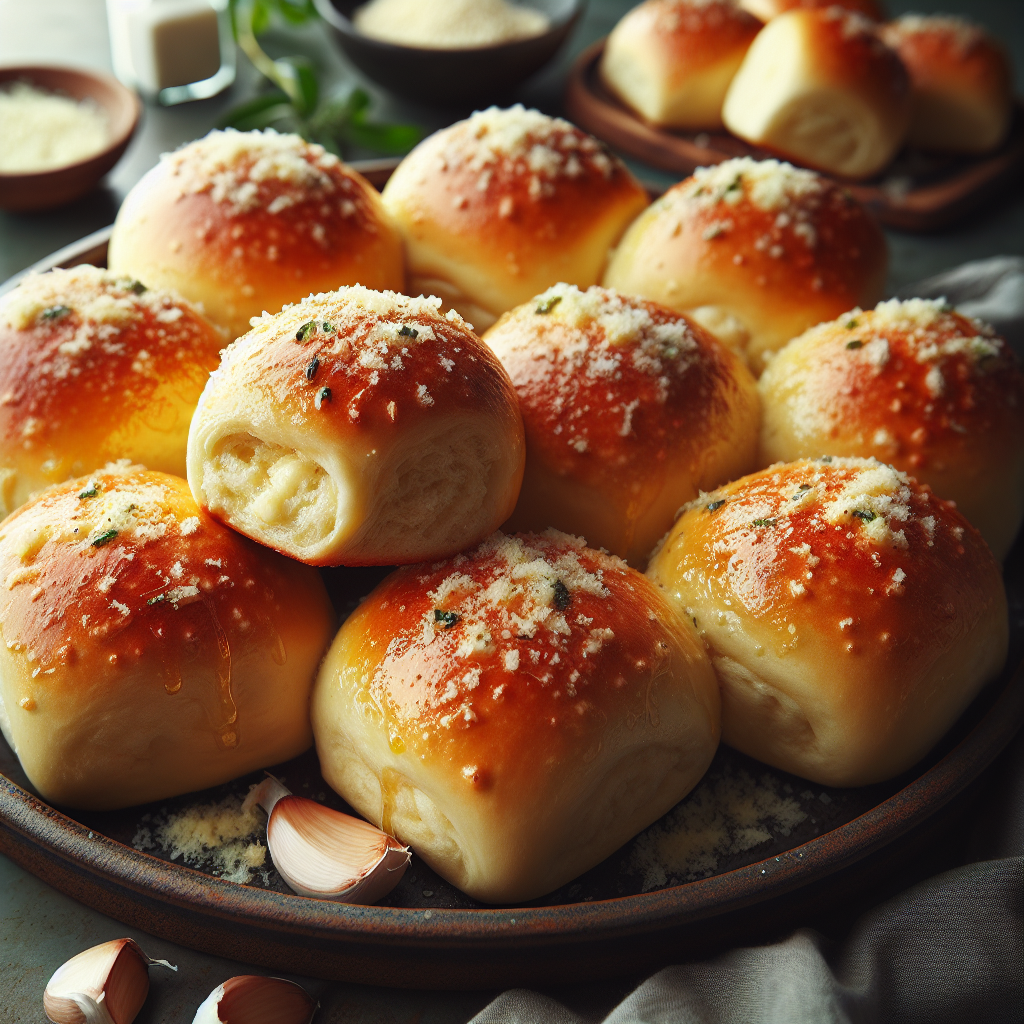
959,31
529,143
769,184
262,169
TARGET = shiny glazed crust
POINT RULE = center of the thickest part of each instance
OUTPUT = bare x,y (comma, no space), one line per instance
755,251
244,222
850,614
914,384
819,87
672,60
962,83
149,651
359,428
517,713
93,367
505,204
630,411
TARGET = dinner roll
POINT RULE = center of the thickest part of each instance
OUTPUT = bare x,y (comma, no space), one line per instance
244,222
94,367
149,651
629,411
962,83
505,204
754,251
672,60
768,9
914,384
517,713
850,614
820,87
359,428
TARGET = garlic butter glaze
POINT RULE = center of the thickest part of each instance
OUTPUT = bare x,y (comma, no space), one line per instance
850,614
149,651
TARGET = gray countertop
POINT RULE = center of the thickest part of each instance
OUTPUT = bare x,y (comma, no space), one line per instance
39,927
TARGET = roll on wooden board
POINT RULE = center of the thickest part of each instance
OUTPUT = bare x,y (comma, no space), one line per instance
500,206
850,614
359,428
914,384
630,410
672,60
756,251
515,713
245,222
95,367
149,651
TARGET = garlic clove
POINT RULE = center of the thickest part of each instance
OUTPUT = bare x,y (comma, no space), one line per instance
252,999
106,984
326,854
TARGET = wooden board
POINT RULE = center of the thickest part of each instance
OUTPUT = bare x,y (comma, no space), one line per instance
917,192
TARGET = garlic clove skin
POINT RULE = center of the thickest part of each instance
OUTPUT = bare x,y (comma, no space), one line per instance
106,984
252,999
325,854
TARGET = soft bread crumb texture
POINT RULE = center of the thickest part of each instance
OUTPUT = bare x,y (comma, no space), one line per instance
94,366
850,614
915,384
496,208
248,221
672,60
756,251
359,427
515,713
630,410
148,650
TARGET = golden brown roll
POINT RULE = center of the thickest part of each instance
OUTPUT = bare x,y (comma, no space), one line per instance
914,384
149,651
768,9
819,87
850,614
754,251
517,713
359,428
962,82
629,410
94,367
672,60
505,204
244,222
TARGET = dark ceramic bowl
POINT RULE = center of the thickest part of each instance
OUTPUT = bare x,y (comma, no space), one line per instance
451,77
40,190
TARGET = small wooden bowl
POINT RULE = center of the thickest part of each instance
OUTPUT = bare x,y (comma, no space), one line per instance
40,190
454,77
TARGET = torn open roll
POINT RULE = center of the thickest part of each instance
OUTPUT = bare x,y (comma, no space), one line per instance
359,428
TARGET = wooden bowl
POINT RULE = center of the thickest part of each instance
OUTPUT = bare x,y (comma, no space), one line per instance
456,77
40,190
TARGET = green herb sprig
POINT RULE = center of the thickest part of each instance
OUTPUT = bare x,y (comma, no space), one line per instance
293,101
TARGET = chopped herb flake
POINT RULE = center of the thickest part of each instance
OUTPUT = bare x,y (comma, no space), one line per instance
55,312
303,333
735,184
136,287
447,619
715,505
408,332
548,304
327,328
90,492
323,395
850,324
104,538
856,343
157,599
765,522
864,513
311,367
562,596
825,458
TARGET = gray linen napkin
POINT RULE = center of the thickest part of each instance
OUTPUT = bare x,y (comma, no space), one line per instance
949,950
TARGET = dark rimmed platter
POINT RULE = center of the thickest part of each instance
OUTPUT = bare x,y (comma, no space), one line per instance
614,920
916,192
